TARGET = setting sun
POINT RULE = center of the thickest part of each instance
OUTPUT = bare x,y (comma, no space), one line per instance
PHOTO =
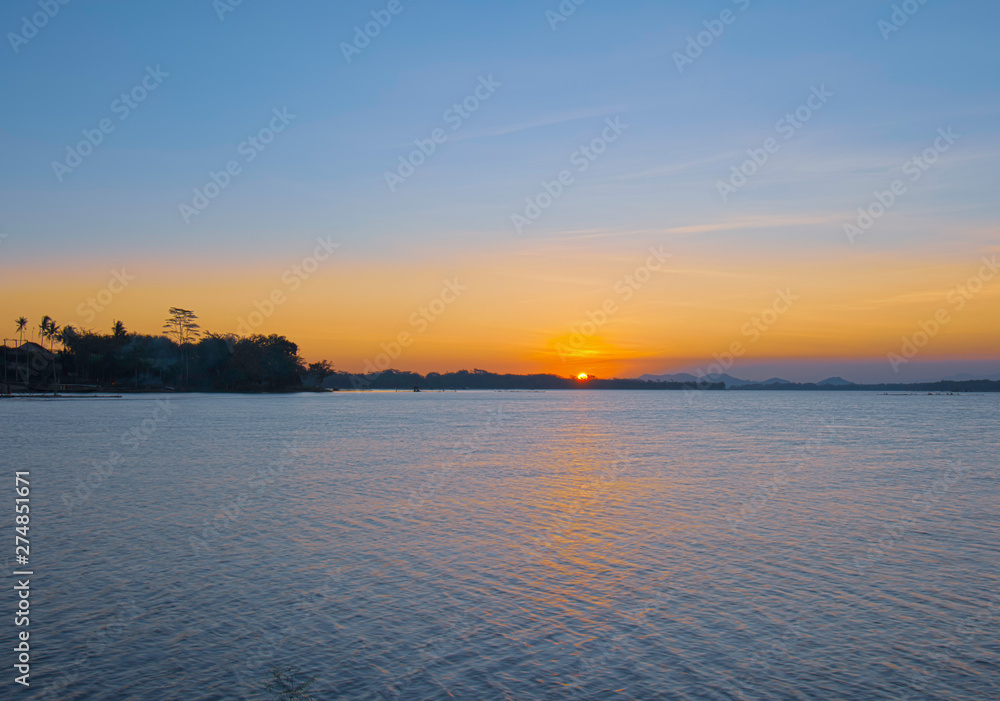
582,376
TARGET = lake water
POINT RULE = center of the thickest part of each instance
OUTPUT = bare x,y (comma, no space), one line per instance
512,545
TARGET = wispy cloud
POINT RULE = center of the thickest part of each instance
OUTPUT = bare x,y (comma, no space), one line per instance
558,118
764,221
678,168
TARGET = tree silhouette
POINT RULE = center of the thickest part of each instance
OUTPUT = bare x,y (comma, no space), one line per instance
20,324
43,328
53,333
318,372
181,325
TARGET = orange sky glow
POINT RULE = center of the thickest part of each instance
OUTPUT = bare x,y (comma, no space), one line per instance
544,309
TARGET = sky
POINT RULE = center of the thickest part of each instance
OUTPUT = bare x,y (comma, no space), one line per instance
771,188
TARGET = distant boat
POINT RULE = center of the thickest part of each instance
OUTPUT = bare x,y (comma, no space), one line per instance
416,389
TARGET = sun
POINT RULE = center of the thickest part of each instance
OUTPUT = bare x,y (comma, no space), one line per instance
582,376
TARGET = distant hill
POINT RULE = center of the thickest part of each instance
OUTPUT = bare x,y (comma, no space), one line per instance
677,377
483,380
930,387
966,376
687,378
834,382
728,380
960,383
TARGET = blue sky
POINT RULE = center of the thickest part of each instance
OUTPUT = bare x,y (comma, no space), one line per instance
353,120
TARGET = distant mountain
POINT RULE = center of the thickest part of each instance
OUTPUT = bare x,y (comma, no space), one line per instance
965,377
677,377
834,382
729,380
684,380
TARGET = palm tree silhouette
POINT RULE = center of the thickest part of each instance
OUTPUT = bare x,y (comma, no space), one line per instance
21,323
55,334
52,331
43,328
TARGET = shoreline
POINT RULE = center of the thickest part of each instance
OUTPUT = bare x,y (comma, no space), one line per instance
872,389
